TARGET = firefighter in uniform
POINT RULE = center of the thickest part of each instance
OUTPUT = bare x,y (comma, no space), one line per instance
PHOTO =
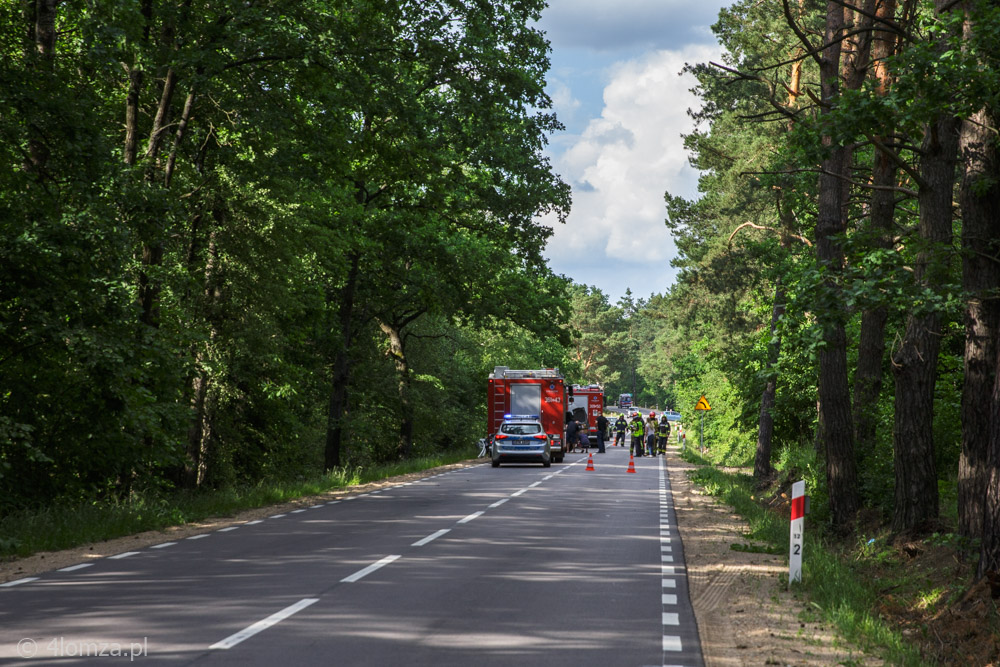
637,428
620,426
662,435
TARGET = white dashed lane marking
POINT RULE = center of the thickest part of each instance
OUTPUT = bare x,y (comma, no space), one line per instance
18,582
368,570
431,537
259,626
73,568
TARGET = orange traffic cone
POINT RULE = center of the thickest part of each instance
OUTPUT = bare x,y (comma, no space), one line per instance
631,463
590,462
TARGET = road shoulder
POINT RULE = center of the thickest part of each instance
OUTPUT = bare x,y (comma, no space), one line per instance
745,615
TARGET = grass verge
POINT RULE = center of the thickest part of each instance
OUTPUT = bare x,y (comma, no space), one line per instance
834,589
62,527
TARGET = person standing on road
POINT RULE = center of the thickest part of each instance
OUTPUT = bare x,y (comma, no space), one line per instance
662,435
637,428
651,434
602,429
572,434
620,427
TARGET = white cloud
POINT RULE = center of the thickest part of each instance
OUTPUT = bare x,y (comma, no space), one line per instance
623,162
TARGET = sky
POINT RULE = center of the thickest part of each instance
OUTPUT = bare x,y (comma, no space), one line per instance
615,85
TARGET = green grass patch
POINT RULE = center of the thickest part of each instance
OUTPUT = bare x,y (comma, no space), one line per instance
838,590
62,527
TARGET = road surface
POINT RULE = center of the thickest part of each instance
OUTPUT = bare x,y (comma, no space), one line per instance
520,565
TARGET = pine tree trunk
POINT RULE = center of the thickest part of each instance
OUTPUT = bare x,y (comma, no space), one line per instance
834,391
868,373
989,555
979,196
915,362
765,432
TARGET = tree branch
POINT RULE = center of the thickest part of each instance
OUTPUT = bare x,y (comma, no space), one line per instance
768,229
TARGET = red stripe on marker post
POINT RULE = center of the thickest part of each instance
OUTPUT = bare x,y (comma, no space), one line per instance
798,506
797,525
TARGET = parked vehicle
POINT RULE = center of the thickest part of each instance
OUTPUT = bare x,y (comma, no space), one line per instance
539,392
522,438
586,403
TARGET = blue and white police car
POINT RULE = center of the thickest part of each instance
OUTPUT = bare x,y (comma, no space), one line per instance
521,439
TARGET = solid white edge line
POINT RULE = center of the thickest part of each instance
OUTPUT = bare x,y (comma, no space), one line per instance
250,631
123,555
73,568
18,582
368,570
431,537
469,518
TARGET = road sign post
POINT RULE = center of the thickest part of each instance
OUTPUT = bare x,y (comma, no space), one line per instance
702,407
795,540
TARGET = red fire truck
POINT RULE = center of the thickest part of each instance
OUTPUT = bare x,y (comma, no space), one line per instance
529,392
587,404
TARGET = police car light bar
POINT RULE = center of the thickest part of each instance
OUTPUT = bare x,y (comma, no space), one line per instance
520,416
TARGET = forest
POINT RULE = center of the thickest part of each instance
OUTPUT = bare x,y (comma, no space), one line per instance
261,240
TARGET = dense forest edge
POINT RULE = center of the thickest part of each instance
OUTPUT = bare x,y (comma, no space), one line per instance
259,245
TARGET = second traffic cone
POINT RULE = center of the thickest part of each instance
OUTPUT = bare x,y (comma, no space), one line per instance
631,463
590,462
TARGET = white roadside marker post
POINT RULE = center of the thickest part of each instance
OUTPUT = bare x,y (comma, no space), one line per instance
798,522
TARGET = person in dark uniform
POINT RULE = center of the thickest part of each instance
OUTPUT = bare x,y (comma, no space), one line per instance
602,429
662,435
620,427
572,434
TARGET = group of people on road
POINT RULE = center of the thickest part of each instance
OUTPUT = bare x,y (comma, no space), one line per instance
577,436
648,438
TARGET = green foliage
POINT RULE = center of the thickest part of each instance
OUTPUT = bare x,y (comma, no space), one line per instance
174,299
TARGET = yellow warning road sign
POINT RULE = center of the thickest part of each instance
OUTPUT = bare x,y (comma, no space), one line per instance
703,404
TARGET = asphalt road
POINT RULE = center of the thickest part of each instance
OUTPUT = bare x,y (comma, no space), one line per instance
519,565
